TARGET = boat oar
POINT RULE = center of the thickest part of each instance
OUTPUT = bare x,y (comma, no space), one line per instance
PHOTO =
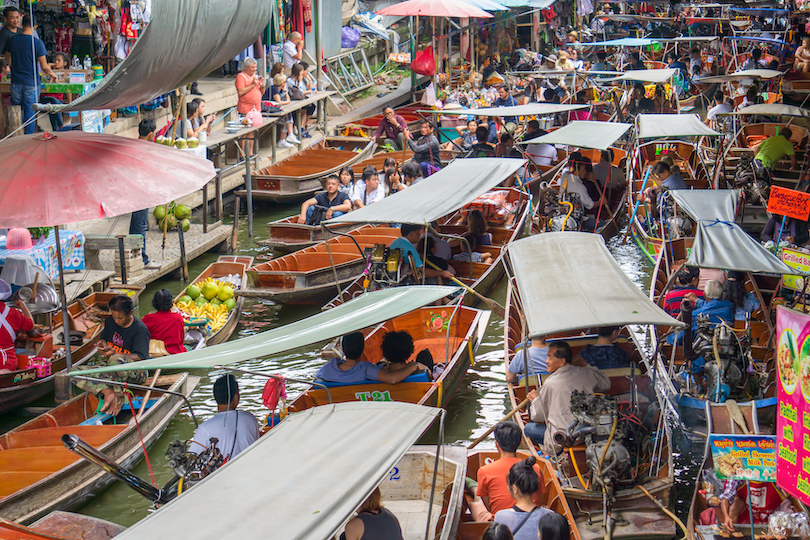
498,309
635,208
148,394
665,510
504,419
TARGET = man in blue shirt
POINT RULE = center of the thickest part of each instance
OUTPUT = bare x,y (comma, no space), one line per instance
505,100
23,52
410,236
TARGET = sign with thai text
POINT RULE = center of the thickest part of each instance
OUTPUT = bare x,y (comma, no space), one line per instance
744,457
793,407
801,262
789,202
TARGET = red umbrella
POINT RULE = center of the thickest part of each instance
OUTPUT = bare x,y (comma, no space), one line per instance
50,179
434,8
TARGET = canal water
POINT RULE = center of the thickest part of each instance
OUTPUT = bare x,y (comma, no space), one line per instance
477,404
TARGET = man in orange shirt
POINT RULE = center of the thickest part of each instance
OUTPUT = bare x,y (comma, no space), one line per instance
493,493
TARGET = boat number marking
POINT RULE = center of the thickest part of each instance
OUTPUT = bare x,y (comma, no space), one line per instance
488,460
394,474
385,395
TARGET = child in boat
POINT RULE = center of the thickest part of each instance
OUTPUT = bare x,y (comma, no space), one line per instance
433,259
352,369
397,348
346,181
472,255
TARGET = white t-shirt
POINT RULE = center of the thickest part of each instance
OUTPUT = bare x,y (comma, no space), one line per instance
575,185
236,430
289,50
722,108
542,154
370,198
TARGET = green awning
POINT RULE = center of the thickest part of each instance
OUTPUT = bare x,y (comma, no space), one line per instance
356,314
532,109
645,75
458,184
707,203
569,281
584,134
725,246
654,126
284,487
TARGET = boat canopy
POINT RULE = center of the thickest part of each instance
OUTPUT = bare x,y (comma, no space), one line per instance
439,194
762,12
621,42
656,126
773,109
688,39
356,314
186,40
537,4
758,39
632,18
755,74
285,474
584,134
725,246
531,109
570,281
645,75
707,203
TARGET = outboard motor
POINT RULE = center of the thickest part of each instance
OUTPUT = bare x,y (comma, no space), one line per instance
725,358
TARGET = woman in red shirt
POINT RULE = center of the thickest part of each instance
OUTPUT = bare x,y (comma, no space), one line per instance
249,88
166,325
12,322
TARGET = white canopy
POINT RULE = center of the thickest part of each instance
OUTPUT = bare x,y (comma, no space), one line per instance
621,42
303,480
532,109
443,192
741,75
724,245
570,281
773,109
584,134
356,314
707,203
645,75
654,126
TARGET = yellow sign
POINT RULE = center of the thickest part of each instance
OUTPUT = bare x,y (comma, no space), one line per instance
801,262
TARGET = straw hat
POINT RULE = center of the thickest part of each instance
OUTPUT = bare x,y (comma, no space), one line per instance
562,56
551,58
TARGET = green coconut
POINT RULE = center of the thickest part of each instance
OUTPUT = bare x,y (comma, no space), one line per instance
182,211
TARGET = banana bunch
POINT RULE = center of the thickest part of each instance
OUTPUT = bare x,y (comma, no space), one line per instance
216,314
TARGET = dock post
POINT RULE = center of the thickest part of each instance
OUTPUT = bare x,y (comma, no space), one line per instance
122,259
183,260
236,204
205,207
249,187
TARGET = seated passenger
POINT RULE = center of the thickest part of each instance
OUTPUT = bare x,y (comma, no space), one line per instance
12,322
571,182
538,354
522,518
481,148
367,190
477,225
333,200
666,178
744,301
373,521
354,370
492,493
686,282
605,169
346,181
397,347
166,325
472,255
553,527
437,261
550,410
410,236
411,173
605,354
234,430
466,137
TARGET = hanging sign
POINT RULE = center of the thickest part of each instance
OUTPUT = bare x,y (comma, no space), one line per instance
793,407
744,457
801,262
789,202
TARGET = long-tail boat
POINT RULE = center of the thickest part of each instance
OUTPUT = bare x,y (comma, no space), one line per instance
299,176
639,444
38,475
286,235
61,526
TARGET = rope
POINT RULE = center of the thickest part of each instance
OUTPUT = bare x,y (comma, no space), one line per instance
127,393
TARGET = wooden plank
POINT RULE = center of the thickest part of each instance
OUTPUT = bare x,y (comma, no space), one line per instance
131,241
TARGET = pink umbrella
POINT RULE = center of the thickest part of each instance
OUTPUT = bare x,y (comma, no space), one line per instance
434,8
51,179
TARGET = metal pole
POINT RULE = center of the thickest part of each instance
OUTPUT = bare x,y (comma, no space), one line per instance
249,187
318,44
63,295
413,54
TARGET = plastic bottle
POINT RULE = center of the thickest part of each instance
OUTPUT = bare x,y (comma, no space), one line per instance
88,64
75,63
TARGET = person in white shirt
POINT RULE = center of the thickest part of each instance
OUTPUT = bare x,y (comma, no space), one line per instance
720,106
292,51
571,182
368,190
542,154
234,430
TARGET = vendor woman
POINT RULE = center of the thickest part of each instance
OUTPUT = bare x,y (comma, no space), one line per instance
166,325
12,321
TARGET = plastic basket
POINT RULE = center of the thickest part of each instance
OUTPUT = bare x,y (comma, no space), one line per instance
42,365
18,238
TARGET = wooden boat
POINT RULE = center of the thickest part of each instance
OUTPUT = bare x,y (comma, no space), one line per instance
286,235
553,497
481,277
453,344
611,225
693,170
748,138
226,265
23,385
368,125
299,176
39,475
307,276
61,526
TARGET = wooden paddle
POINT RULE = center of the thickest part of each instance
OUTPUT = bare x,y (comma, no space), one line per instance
34,287
498,309
504,419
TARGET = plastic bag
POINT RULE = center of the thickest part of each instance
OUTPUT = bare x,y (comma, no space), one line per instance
429,97
424,63
349,37
255,117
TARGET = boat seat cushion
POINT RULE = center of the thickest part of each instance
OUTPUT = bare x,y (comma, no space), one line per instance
416,377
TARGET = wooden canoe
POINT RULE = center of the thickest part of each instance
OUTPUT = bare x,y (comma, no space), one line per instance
300,176
635,515
428,326
225,265
553,496
39,475
22,386
694,172
481,277
611,219
368,125
61,526
286,235
307,276
758,331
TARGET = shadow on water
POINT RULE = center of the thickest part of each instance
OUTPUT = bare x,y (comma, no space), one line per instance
480,401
